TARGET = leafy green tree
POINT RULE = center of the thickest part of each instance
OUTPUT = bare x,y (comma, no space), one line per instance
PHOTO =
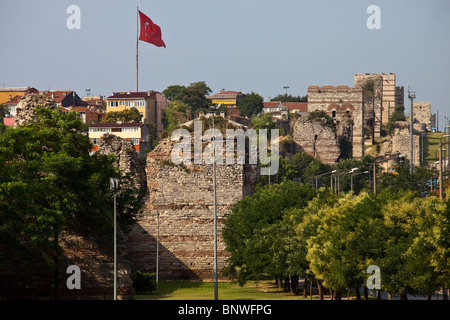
175,92
343,248
252,104
194,95
50,184
251,215
398,114
412,224
403,180
126,115
176,113
289,98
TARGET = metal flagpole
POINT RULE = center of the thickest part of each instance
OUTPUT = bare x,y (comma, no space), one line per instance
137,47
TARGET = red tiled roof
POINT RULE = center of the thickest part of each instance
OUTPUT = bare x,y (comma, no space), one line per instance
85,109
230,92
9,121
132,95
271,104
14,100
300,106
57,96
117,125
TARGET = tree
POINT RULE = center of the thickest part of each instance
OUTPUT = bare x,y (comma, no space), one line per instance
398,114
413,225
289,98
403,180
176,113
175,92
343,248
251,105
126,115
194,95
265,121
51,185
251,215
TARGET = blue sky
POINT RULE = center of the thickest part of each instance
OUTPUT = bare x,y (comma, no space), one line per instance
248,45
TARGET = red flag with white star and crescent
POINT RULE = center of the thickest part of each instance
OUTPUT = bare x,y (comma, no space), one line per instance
150,32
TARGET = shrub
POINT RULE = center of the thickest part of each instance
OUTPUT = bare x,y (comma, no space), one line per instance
143,282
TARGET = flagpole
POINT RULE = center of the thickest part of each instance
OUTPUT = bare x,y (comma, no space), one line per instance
137,47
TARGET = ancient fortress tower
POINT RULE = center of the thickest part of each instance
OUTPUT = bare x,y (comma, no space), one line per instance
341,102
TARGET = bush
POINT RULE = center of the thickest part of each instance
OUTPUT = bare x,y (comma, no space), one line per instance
143,282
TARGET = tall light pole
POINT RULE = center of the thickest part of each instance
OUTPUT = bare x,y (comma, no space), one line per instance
285,88
356,174
411,96
395,156
114,185
321,175
216,293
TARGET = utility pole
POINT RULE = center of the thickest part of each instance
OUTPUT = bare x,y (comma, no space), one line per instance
411,96
440,172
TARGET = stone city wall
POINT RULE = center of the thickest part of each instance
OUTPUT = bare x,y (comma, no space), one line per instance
183,197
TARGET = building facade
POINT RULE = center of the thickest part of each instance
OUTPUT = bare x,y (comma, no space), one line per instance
229,99
6,94
137,133
145,102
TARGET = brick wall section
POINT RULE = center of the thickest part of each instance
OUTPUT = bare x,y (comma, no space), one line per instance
183,195
36,281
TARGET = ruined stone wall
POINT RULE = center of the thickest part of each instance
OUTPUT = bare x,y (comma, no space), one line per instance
422,113
316,139
21,280
341,102
372,102
183,196
127,158
25,109
402,143
392,95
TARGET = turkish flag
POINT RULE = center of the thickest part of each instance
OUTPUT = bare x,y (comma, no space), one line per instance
150,32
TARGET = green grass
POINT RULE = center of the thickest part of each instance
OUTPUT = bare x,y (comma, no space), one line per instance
431,145
188,290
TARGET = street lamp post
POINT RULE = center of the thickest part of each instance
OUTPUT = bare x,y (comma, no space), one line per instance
216,293
395,156
321,175
356,174
114,185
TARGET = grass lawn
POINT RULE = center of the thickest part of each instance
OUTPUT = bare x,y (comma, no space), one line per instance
188,290
431,145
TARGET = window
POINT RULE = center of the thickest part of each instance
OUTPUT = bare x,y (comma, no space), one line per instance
94,141
130,129
333,113
140,103
113,104
12,110
122,103
129,103
134,141
99,129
